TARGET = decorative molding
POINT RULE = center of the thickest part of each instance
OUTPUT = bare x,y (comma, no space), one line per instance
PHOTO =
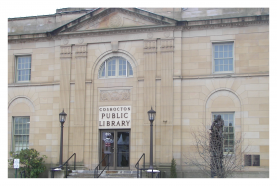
65,41
115,95
150,35
21,99
81,51
114,46
166,34
80,41
185,25
115,21
167,45
65,51
149,46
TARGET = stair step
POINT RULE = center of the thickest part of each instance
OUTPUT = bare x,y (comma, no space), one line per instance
105,174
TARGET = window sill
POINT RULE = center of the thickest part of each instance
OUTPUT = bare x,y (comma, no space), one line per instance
224,72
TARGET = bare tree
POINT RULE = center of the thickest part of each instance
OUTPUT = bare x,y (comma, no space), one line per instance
207,158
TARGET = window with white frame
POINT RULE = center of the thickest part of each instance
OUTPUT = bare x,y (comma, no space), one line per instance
228,130
115,67
21,126
23,68
223,60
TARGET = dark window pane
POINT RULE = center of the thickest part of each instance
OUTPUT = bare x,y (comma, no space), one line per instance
256,160
231,129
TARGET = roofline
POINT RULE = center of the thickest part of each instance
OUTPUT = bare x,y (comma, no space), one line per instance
48,15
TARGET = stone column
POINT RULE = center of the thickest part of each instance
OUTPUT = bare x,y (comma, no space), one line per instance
65,69
78,129
150,58
166,49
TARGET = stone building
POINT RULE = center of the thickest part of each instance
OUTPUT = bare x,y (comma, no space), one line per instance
106,67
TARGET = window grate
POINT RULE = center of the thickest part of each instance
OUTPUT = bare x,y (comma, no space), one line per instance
251,160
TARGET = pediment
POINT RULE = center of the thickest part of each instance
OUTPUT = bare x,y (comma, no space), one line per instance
111,18
115,20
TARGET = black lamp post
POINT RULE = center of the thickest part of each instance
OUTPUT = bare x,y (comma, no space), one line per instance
151,116
62,117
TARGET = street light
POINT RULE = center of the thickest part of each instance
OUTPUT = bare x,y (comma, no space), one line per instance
62,117
151,117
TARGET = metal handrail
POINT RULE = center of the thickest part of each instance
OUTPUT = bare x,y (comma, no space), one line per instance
158,175
137,166
98,167
23,172
66,163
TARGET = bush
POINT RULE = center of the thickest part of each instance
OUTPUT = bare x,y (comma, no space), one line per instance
30,162
173,173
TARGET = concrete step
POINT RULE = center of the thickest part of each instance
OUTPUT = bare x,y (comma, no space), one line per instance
105,174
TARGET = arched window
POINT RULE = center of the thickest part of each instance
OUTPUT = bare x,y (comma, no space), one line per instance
115,67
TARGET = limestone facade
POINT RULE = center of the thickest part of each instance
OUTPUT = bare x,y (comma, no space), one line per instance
172,63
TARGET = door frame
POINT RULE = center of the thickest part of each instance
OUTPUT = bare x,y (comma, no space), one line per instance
115,131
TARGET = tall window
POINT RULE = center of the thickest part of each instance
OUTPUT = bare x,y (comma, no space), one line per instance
223,60
228,131
115,67
23,68
21,127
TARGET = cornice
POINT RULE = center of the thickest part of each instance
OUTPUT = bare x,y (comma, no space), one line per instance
89,18
183,26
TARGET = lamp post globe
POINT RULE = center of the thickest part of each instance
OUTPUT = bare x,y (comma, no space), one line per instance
151,117
62,118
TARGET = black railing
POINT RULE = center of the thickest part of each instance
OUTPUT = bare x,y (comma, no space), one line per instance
96,175
158,175
66,166
23,172
140,169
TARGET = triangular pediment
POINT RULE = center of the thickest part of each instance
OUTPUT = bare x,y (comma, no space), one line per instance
111,18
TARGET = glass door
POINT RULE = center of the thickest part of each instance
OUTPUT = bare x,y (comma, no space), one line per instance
122,150
116,143
107,148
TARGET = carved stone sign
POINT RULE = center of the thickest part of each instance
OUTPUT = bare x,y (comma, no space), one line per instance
114,95
112,117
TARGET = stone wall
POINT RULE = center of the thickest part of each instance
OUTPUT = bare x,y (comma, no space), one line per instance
174,76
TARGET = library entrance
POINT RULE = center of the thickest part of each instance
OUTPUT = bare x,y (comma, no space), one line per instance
116,143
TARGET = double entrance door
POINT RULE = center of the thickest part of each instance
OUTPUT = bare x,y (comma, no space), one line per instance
116,143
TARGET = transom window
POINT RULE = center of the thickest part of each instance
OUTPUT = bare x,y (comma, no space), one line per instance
115,67
23,68
223,57
21,127
228,131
